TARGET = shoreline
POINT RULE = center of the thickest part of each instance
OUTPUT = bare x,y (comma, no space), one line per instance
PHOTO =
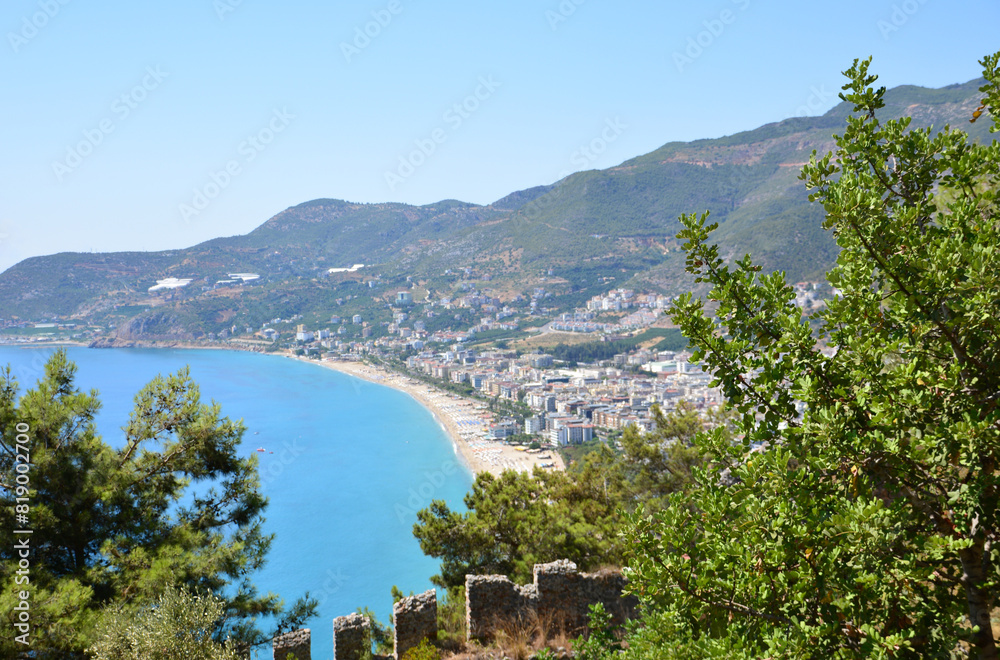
458,416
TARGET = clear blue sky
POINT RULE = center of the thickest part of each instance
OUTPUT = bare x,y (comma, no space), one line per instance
115,113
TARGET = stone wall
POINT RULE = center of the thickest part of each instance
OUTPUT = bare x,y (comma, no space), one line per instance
559,599
492,600
414,619
298,642
350,637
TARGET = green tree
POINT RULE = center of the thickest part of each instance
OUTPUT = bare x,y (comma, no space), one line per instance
174,506
661,463
515,521
177,626
600,642
866,527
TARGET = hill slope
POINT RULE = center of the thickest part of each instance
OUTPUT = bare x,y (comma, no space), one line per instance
587,233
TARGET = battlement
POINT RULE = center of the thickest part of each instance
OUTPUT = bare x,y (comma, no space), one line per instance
559,594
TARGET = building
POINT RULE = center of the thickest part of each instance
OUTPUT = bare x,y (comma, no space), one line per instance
573,434
541,361
404,298
503,430
170,283
534,425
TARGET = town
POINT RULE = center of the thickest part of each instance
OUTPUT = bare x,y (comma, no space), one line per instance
558,378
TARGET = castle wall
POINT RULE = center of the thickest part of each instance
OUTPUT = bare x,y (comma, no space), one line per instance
414,619
350,637
559,599
298,642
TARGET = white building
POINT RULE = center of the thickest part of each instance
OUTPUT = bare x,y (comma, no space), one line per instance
170,283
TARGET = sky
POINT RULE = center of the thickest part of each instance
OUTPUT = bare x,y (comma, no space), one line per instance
158,125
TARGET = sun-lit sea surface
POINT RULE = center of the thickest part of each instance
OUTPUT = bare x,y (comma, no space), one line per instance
351,462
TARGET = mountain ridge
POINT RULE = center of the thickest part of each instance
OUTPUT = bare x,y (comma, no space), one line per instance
586,233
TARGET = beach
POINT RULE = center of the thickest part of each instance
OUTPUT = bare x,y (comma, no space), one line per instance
464,420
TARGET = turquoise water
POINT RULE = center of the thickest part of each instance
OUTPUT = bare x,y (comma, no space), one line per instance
352,461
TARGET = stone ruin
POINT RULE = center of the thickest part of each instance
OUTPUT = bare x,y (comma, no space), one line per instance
414,619
350,635
297,642
560,596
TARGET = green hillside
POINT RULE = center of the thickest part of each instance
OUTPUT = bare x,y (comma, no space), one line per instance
588,233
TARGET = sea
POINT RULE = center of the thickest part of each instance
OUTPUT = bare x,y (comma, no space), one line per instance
346,464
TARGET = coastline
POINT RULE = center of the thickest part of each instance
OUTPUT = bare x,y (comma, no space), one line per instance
458,416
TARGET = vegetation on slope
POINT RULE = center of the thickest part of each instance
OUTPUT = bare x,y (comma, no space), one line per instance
588,228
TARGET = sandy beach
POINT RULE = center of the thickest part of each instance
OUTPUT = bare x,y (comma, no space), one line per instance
465,421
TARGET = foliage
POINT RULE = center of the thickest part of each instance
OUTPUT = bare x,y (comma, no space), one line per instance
600,642
513,522
422,651
177,626
656,469
174,506
397,594
380,634
865,526
451,618
573,453
605,350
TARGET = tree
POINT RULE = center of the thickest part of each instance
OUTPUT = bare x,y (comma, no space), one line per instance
177,626
515,521
661,463
859,516
174,506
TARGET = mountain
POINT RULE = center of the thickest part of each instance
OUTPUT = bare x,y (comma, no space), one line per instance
587,233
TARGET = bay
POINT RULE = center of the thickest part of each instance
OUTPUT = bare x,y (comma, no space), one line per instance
352,461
